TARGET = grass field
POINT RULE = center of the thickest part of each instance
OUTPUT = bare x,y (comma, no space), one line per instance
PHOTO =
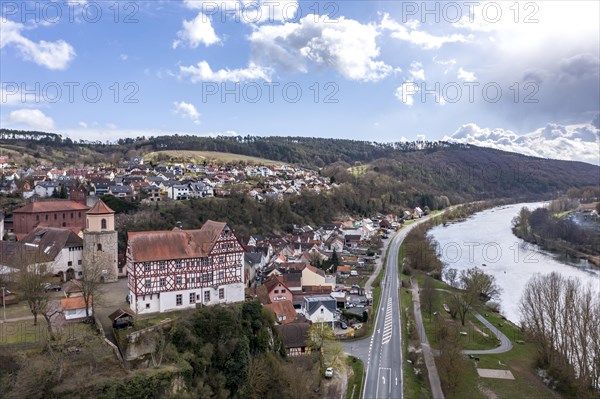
199,157
355,381
520,360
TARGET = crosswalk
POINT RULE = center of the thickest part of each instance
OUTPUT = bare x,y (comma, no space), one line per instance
387,327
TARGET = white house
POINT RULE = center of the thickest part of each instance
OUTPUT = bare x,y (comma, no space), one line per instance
179,192
178,269
46,189
61,248
74,307
319,309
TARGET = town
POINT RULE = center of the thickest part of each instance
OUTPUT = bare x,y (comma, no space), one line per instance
68,235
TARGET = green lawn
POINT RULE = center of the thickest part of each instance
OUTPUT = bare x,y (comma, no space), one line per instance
519,360
355,381
24,332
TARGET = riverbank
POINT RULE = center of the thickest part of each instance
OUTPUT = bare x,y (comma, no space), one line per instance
487,239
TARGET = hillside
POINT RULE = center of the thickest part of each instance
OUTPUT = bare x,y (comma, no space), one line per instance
387,173
200,157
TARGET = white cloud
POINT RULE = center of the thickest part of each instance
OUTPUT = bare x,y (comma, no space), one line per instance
198,30
345,45
83,125
187,110
416,71
53,55
578,142
33,118
425,40
405,93
203,72
466,75
111,126
124,57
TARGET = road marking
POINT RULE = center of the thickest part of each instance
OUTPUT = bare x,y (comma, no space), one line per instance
387,328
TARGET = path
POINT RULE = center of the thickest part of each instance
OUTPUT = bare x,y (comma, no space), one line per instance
434,377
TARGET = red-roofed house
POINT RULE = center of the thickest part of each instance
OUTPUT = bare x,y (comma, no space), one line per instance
74,308
68,214
177,269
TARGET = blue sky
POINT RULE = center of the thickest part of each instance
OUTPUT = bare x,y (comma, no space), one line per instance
373,70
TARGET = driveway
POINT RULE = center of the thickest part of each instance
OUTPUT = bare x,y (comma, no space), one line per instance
112,297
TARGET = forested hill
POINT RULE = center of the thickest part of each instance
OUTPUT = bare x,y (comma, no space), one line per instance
461,172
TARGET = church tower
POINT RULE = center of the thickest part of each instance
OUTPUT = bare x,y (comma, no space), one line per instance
100,242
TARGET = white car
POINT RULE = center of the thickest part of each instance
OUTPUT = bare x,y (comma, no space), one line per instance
329,372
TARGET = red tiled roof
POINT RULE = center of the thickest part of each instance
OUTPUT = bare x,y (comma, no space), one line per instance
73,303
174,244
283,308
51,206
100,208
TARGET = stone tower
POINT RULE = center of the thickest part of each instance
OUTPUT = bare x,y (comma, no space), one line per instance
100,243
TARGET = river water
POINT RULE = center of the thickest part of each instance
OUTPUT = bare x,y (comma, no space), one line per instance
486,239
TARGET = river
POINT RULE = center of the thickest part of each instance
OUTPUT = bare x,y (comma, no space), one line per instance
486,239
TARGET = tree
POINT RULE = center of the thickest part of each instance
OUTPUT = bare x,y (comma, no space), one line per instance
480,283
32,277
451,277
318,334
428,295
460,303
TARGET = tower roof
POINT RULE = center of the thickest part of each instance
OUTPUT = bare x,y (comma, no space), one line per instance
100,208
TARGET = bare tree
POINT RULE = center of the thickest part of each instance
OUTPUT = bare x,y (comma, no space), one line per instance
480,283
460,303
562,317
428,295
31,279
451,277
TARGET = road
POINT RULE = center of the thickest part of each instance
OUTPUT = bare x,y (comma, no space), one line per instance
382,353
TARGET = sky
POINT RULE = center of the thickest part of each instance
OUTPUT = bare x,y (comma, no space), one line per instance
519,76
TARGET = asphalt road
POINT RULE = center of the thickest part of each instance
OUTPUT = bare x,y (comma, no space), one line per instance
384,355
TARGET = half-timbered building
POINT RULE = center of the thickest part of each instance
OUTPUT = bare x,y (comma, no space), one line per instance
171,270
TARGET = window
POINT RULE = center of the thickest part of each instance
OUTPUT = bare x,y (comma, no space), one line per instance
79,215
277,291
64,215
161,265
206,296
178,280
178,263
79,262
283,291
37,217
178,300
103,224
221,293
207,277
147,306
147,267
192,297
46,217
221,274
163,281
55,216
72,215
148,283
64,224
99,247
69,263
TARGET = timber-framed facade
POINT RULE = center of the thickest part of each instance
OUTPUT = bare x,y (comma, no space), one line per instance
171,270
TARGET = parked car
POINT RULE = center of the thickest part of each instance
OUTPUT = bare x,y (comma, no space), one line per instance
329,372
343,325
52,287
